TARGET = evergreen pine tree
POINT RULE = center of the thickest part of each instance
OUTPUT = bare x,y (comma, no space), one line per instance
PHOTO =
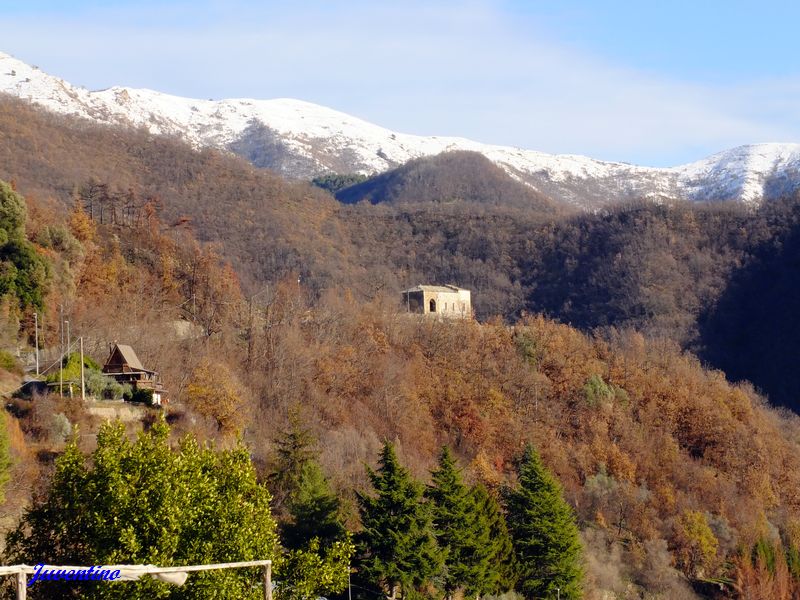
318,548
397,548
494,551
294,448
544,533
13,214
314,509
462,534
24,273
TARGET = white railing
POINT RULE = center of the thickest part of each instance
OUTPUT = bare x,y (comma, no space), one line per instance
133,572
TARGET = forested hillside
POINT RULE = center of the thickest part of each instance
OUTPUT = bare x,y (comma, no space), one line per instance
676,477
667,270
270,307
716,279
268,226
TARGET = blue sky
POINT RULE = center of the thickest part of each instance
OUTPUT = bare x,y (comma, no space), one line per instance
642,82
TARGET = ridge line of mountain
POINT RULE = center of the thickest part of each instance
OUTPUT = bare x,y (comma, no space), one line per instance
301,140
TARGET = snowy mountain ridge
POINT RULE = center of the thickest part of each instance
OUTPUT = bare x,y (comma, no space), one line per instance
301,139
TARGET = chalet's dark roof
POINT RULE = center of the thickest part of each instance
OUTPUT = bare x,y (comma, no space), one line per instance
129,356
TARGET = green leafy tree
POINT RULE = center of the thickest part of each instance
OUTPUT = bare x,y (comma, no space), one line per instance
544,533
307,573
97,384
397,549
144,502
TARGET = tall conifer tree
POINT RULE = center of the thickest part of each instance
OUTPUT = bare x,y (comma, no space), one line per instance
294,448
314,509
471,532
457,527
495,551
544,533
397,548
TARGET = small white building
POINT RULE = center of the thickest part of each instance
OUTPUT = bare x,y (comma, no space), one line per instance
443,300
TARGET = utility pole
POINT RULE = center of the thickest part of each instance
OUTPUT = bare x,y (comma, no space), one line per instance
250,334
69,349
69,343
36,337
83,380
61,358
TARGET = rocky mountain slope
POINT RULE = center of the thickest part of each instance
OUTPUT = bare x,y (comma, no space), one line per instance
300,140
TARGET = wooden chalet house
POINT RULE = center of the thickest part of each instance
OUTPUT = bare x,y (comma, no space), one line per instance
124,366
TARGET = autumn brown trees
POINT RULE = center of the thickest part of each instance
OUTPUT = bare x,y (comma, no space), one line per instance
638,433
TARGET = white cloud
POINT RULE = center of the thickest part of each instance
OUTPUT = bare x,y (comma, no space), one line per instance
430,68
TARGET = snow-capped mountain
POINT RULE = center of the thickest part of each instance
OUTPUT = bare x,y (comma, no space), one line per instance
301,140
